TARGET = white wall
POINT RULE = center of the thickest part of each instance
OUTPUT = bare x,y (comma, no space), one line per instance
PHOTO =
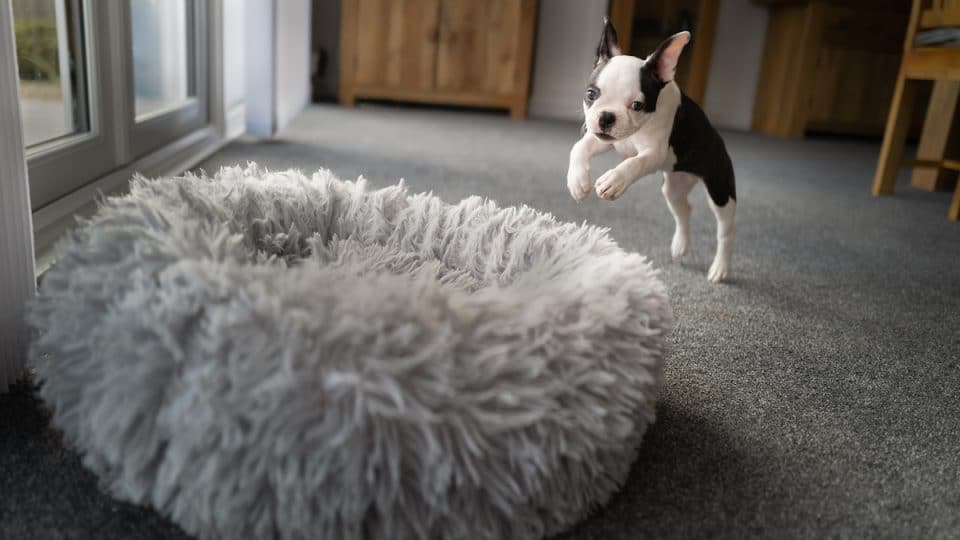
567,36
234,59
292,59
259,52
735,67
277,55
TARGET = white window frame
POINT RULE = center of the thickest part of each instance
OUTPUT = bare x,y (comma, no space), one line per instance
157,129
51,220
116,138
67,163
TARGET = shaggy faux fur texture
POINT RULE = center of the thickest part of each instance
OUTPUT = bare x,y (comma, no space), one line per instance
269,355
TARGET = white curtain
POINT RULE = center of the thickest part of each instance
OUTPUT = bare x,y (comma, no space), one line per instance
17,271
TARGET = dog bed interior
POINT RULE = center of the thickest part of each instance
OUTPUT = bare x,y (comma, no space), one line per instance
264,354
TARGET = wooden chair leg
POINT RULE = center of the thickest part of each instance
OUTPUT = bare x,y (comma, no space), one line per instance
895,136
954,213
938,138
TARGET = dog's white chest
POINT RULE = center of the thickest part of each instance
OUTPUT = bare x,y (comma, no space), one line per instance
644,141
626,148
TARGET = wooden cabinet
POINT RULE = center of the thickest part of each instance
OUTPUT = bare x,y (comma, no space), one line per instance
829,66
457,52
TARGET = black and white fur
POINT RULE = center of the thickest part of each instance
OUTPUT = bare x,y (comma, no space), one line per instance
634,106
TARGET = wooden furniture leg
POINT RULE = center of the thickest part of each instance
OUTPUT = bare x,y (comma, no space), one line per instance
621,15
794,35
895,136
937,138
702,53
954,213
518,110
348,25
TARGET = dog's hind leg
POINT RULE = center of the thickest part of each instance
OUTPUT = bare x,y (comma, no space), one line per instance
726,232
676,187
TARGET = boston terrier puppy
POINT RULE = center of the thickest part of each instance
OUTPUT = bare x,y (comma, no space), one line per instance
633,105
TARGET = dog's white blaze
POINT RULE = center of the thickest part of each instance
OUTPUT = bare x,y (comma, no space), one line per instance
619,84
620,80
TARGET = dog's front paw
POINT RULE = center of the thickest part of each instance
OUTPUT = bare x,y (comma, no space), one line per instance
612,185
578,182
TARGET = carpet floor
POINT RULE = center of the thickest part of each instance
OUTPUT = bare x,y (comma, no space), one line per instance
817,394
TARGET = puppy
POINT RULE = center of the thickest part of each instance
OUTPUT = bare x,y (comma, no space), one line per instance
633,105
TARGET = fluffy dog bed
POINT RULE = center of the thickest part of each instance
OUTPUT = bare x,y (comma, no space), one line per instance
269,355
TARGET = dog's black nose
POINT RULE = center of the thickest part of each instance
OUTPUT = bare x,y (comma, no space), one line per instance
607,119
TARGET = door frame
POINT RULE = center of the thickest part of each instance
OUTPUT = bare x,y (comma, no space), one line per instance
67,163
17,269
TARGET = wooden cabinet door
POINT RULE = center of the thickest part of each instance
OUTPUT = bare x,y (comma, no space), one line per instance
485,46
394,43
466,52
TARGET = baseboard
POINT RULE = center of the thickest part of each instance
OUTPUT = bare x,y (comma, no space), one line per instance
52,221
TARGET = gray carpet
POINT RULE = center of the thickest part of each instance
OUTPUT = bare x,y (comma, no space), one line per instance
816,395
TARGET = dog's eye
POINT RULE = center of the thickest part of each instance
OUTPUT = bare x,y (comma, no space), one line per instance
591,94
636,105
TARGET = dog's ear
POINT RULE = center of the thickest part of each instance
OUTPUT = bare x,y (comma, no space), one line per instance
608,43
664,59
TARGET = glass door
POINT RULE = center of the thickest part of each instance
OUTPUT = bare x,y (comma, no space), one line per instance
50,46
168,47
63,89
104,83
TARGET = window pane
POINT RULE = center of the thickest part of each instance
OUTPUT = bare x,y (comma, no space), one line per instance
163,53
51,62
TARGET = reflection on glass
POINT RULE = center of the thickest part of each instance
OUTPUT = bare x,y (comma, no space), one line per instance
50,61
162,54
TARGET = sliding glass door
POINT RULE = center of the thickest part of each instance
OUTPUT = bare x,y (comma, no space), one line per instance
105,83
64,87
169,65
51,39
